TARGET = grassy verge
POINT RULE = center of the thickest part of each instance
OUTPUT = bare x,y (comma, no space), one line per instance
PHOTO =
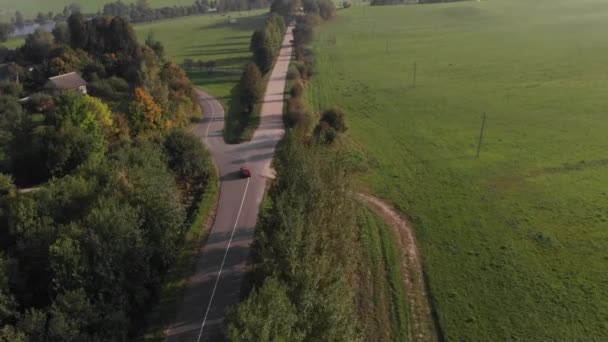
177,277
381,299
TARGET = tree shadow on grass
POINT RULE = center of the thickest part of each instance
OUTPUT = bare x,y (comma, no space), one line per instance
242,23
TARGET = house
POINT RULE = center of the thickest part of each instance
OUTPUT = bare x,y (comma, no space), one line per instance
69,81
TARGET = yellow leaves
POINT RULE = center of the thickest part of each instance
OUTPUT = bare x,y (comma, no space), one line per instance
145,113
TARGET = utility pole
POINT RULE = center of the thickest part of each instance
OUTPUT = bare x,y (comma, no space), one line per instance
414,79
483,126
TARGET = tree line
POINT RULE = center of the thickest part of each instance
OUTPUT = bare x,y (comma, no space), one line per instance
136,12
96,191
303,269
265,46
303,266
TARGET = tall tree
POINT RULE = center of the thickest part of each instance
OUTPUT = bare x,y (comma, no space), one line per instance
5,31
251,87
19,21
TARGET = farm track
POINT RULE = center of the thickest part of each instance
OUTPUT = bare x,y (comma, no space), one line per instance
423,325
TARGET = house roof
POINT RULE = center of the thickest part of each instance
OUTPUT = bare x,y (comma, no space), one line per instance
68,81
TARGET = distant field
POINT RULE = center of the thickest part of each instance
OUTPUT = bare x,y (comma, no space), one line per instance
208,38
13,42
30,8
515,242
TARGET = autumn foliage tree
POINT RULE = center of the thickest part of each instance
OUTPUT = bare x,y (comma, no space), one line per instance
144,113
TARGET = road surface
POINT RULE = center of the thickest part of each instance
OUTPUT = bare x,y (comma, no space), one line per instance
221,265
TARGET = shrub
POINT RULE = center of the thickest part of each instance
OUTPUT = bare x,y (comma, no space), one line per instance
324,133
297,89
188,159
335,118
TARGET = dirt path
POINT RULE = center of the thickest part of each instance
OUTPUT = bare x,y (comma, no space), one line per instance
422,326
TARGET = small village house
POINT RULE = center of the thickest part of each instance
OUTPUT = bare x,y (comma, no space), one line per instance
69,81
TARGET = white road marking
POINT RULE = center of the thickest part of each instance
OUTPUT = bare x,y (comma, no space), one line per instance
217,280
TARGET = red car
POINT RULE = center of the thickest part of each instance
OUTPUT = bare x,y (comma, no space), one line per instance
245,172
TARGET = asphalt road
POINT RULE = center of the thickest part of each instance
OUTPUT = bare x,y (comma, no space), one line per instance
221,265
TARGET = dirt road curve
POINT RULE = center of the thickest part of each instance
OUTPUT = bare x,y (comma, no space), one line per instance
221,265
422,325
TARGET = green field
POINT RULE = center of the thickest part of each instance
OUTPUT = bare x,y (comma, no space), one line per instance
13,43
30,8
515,243
208,38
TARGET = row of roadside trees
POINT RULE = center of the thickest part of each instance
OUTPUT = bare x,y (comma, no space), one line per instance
265,46
304,267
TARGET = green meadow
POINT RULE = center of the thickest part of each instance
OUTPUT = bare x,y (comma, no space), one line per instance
13,43
515,242
208,38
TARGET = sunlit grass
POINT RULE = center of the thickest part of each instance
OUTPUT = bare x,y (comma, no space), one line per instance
515,242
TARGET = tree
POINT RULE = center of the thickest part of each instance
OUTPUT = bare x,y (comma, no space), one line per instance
188,159
19,21
283,7
40,18
261,46
335,118
5,31
75,8
73,135
155,45
327,9
251,87
78,28
188,63
144,112
8,305
38,45
266,315
72,315
61,32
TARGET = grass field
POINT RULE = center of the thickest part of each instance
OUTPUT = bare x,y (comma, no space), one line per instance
515,242
13,43
30,8
208,38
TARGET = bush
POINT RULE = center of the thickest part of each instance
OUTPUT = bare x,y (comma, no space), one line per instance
297,89
324,133
296,113
112,89
293,73
335,118
188,159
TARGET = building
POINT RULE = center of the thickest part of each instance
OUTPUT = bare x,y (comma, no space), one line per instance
69,81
